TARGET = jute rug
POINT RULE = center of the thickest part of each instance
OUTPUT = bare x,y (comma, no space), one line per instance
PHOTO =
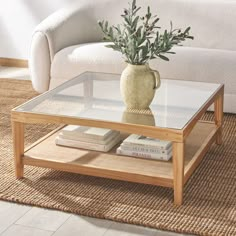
209,196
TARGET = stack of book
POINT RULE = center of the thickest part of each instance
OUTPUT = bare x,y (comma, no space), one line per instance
91,138
145,147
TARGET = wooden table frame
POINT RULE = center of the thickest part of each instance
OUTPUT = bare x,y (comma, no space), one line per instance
178,137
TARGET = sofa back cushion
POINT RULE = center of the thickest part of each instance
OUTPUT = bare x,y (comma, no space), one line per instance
213,22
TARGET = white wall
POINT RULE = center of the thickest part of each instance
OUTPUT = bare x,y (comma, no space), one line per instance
18,19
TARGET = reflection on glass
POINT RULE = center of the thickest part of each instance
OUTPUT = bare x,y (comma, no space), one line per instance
141,117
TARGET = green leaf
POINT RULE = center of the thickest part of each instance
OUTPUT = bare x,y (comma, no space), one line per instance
117,28
190,37
111,31
133,4
100,23
134,13
157,38
135,22
187,30
138,32
114,47
149,14
106,25
163,57
127,20
155,21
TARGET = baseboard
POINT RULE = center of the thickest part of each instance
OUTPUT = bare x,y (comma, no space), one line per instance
11,62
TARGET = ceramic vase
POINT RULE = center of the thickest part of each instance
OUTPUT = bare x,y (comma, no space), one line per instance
138,85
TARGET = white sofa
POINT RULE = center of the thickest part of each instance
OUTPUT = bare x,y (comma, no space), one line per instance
69,42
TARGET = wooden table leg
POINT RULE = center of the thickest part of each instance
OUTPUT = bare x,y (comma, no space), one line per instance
18,147
178,172
218,105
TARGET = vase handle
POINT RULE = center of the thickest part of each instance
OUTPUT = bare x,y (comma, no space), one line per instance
157,79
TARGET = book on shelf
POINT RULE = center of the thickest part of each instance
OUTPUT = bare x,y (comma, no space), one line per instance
79,132
147,149
144,141
89,139
145,155
90,146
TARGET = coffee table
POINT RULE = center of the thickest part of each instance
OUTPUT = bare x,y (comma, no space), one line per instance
93,99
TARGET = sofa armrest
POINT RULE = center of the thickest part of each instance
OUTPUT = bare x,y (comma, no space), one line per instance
40,62
69,26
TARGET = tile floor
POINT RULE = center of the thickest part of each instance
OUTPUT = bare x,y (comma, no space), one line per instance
21,220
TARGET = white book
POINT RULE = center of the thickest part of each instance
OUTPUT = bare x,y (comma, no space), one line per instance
153,156
88,139
88,132
89,146
140,140
140,148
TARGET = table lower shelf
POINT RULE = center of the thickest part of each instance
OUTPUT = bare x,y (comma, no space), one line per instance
109,165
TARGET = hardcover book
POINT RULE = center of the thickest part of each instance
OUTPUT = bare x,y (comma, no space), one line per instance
86,132
140,140
89,139
139,148
87,145
154,156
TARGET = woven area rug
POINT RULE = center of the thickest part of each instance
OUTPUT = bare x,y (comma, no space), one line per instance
209,196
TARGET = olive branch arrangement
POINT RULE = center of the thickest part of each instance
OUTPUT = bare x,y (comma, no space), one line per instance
138,38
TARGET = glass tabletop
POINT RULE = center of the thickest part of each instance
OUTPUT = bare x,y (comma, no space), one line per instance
97,96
